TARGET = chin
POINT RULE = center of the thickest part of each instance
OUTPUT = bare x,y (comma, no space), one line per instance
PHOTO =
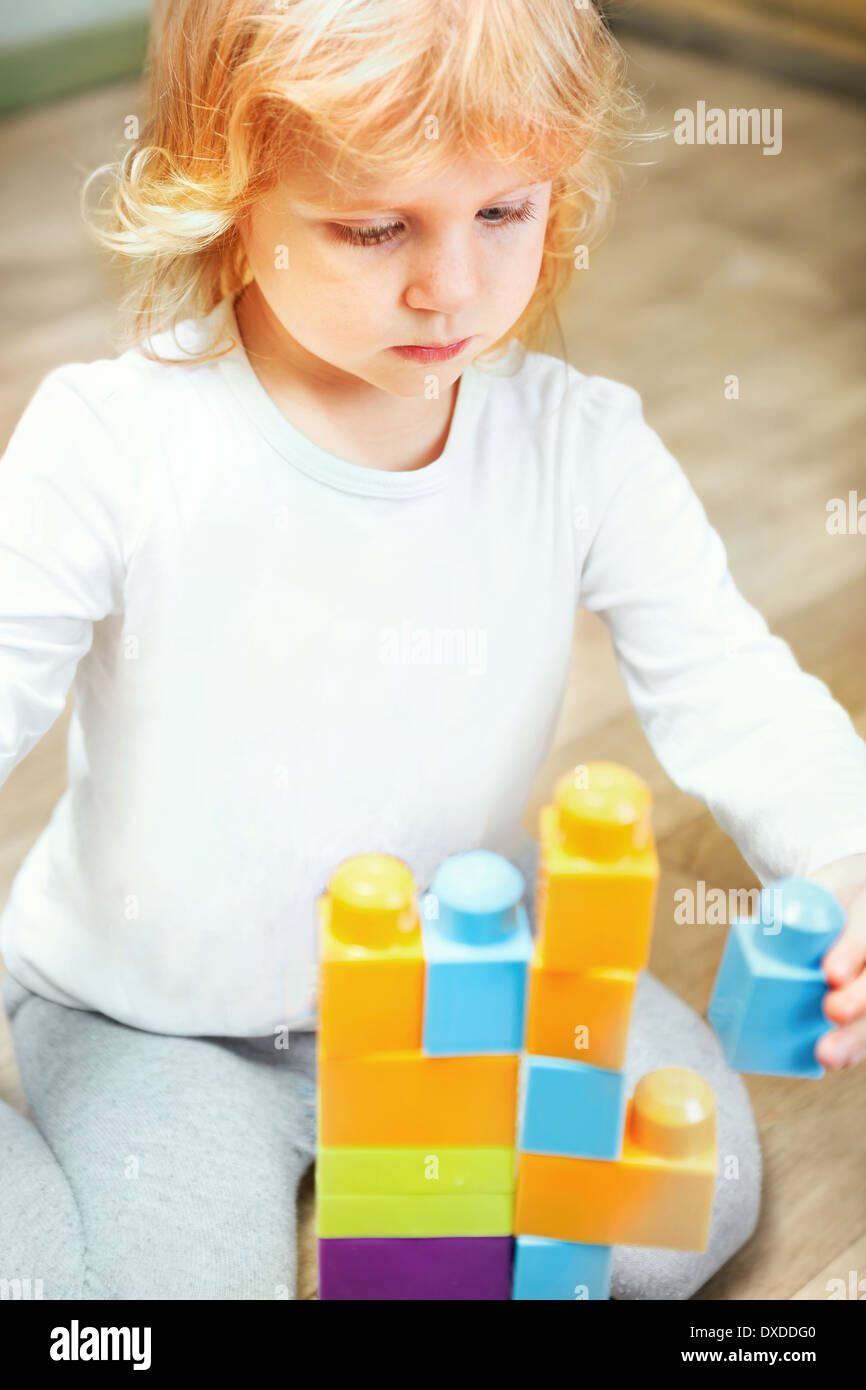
407,389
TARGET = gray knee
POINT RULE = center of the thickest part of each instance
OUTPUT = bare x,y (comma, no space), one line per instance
41,1245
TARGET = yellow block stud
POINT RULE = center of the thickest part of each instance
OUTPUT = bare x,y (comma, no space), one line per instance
604,811
373,901
371,962
598,871
674,1113
660,1193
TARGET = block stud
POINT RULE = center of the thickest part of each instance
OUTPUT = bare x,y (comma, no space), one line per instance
798,921
604,811
673,1113
474,898
373,901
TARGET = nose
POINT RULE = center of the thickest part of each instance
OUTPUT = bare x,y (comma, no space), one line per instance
443,274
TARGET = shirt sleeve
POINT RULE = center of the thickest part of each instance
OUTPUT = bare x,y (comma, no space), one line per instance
731,716
62,560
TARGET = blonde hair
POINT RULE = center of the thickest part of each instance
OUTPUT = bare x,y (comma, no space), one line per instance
241,89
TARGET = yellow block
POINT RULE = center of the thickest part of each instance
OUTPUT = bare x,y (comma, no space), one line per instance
598,871
405,1100
481,1214
659,1193
350,1172
371,962
581,1015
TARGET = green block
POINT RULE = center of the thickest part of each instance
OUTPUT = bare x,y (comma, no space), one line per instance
482,1214
430,1172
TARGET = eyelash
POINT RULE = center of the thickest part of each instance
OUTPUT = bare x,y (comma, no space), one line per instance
377,236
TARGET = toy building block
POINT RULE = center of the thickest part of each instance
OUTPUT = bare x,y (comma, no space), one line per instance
393,1270
391,1172
660,1192
571,1108
766,1003
415,1152
443,1214
477,945
579,1015
402,1099
560,1270
371,959
598,871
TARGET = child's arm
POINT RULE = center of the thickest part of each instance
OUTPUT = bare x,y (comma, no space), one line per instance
61,555
730,714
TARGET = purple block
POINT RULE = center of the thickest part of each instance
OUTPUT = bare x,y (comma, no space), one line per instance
391,1268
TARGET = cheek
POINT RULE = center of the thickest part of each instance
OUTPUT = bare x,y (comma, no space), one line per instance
292,279
324,305
517,273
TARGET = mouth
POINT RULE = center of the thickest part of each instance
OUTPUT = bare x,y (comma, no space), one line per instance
431,352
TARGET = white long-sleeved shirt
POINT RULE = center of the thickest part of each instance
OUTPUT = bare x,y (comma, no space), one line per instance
281,659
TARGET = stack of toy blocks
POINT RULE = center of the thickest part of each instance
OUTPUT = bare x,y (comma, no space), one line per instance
766,1004
597,1168
421,1021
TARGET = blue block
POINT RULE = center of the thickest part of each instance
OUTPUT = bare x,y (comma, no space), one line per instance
477,947
572,1108
766,1003
560,1270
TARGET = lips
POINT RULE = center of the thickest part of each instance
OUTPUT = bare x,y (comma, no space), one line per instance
431,352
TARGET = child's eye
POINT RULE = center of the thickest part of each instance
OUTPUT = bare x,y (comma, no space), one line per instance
386,231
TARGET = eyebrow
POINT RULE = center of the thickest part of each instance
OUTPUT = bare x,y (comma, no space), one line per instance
363,207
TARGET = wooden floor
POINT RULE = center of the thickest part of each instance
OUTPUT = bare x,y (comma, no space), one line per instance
722,260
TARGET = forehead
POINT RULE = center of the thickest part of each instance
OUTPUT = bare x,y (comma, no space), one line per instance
473,179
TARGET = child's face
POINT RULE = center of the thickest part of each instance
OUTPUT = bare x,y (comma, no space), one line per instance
438,262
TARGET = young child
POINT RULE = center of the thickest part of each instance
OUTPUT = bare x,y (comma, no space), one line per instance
311,549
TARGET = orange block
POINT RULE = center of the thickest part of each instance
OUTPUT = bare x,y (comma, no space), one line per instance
659,1193
598,871
403,1099
371,961
581,1015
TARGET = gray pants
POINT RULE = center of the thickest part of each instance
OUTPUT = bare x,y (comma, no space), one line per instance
167,1167
155,1166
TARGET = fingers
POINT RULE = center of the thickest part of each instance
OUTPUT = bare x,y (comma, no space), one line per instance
845,967
846,1004
846,958
843,1047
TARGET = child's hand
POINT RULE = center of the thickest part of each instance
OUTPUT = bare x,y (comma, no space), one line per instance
845,965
